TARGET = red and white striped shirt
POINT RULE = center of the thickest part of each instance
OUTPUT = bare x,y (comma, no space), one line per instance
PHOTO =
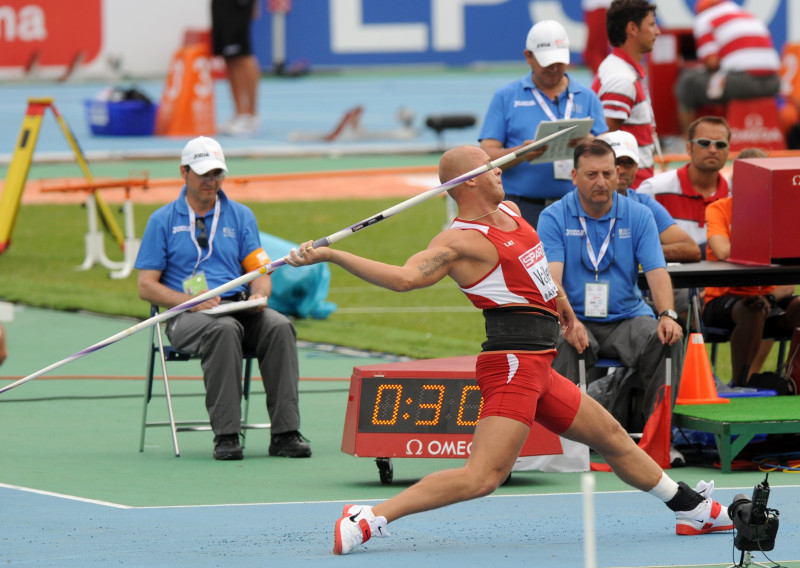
620,83
739,39
521,276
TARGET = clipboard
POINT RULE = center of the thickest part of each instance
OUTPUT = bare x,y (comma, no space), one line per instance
229,307
559,148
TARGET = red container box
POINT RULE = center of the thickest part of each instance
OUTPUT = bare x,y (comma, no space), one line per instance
764,220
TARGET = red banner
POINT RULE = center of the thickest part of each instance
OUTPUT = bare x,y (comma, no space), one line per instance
49,32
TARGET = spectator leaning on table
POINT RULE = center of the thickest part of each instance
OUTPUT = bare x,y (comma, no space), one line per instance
676,243
596,239
621,81
687,191
750,312
739,60
547,93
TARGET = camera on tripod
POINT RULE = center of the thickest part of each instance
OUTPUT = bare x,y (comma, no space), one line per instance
756,525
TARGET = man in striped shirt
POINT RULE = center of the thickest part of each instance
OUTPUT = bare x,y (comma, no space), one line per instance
738,56
621,79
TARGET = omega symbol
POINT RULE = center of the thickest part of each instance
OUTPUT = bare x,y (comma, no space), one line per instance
410,451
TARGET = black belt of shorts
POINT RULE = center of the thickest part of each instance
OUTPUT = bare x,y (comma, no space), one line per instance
520,328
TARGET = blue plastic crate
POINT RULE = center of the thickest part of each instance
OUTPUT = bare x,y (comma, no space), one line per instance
120,118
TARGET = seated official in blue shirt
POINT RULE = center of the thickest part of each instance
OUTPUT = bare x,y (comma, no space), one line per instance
199,242
595,240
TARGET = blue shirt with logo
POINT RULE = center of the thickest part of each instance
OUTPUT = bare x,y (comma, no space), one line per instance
513,117
634,242
167,244
663,219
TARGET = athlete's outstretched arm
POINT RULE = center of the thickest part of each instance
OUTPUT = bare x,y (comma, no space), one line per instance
422,269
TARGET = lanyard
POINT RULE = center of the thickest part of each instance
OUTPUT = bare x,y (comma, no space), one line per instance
546,107
212,232
595,260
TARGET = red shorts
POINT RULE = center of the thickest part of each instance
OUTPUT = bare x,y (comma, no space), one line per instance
523,387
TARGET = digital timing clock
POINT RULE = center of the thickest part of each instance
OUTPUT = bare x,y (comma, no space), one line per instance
423,409
416,406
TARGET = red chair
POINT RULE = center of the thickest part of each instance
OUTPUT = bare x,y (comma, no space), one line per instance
755,123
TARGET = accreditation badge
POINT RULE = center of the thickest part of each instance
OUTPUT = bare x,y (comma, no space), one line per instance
562,169
195,284
596,304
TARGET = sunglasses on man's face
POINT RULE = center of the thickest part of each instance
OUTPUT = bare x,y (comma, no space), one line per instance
215,175
202,238
706,142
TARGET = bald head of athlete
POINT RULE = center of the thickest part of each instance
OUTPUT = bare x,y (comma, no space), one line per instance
487,188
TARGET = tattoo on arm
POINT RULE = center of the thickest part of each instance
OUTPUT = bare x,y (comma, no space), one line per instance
429,266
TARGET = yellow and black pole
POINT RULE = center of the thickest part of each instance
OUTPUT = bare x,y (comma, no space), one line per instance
20,165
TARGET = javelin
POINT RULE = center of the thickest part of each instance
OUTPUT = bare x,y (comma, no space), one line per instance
323,242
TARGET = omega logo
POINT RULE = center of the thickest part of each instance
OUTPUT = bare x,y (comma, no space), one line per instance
754,121
755,131
796,180
414,447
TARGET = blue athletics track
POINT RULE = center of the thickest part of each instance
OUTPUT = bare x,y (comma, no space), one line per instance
75,491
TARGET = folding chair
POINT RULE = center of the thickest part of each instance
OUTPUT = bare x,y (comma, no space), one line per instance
167,353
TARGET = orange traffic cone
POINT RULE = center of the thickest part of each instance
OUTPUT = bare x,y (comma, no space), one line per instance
697,380
187,104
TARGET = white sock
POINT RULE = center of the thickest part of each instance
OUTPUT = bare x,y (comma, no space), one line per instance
377,526
665,489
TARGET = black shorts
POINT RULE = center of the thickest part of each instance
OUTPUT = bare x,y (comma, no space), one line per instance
230,27
718,313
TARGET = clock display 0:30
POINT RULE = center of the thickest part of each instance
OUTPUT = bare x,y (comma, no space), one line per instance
410,405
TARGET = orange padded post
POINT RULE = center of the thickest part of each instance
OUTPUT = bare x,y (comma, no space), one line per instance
187,104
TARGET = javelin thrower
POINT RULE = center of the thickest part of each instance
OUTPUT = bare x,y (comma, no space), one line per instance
497,260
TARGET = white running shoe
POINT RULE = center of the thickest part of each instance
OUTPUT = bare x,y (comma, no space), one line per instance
708,516
241,125
356,526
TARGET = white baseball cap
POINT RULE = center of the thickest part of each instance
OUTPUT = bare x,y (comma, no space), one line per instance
203,154
623,143
549,43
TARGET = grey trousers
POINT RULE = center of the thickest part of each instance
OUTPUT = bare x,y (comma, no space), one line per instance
635,343
692,84
218,340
